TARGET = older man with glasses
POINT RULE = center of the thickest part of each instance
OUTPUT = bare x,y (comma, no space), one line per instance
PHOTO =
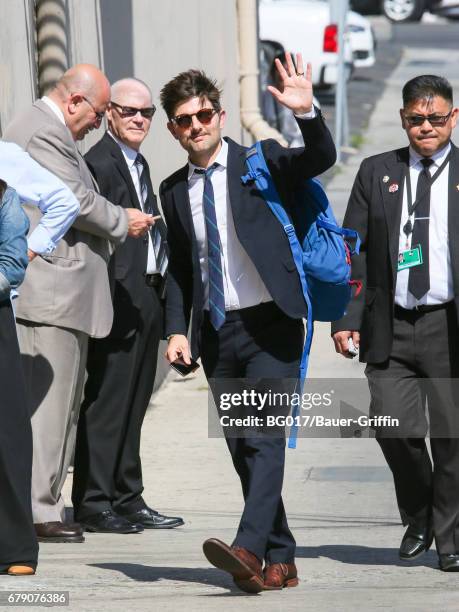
107,480
65,297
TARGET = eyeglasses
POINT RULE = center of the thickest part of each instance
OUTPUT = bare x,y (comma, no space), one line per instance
434,120
99,114
131,111
204,116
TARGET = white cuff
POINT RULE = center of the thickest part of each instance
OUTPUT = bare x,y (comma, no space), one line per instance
39,241
312,113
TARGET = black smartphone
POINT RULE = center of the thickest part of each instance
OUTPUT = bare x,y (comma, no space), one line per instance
184,369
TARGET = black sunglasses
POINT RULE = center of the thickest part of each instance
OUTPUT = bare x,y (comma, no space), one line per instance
204,116
131,111
434,120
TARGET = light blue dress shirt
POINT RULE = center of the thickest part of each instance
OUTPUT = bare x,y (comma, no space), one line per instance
36,185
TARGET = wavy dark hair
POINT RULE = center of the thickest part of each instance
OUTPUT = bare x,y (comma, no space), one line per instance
187,85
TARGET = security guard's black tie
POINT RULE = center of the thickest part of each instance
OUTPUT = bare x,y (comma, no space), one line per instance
419,281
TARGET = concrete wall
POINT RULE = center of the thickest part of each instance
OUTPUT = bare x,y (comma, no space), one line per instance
17,58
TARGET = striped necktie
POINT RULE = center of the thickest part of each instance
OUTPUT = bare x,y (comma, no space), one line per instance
216,292
159,248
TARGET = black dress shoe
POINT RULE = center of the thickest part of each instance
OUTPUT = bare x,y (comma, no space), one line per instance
416,541
109,522
449,563
57,532
150,519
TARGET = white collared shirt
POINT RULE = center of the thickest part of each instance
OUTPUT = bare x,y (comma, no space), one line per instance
54,107
130,156
242,283
441,281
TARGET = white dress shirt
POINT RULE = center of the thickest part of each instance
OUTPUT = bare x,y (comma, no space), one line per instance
242,284
441,282
36,185
130,157
54,107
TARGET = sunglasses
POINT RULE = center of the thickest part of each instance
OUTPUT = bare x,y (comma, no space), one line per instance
99,114
204,116
131,111
434,120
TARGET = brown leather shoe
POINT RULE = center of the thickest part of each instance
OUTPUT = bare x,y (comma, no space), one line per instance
280,575
243,565
20,570
56,532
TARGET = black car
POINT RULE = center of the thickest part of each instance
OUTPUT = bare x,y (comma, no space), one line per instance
406,10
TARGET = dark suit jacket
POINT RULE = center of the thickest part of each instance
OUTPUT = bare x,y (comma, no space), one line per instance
128,263
258,230
375,212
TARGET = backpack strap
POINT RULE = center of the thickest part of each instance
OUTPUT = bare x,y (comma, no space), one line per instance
260,174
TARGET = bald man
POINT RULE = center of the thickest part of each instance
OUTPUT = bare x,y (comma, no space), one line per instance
107,479
65,298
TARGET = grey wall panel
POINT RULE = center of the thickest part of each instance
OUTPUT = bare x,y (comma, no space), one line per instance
155,40
17,58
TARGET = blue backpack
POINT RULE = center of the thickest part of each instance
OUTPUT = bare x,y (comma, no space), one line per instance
320,251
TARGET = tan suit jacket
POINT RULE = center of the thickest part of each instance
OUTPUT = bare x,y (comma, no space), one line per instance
70,287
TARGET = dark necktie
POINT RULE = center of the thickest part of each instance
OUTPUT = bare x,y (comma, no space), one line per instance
419,281
216,292
159,247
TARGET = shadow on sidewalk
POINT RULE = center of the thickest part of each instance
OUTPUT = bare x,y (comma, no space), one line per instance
364,555
148,573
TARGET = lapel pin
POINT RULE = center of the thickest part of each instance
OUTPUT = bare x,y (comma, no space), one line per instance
385,179
393,188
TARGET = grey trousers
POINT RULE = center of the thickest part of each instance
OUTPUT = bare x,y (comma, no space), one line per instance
54,361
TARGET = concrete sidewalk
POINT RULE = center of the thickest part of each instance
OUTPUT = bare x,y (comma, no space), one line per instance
338,493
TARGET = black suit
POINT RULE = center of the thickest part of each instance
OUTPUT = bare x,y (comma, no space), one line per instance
258,230
263,341
410,355
121,368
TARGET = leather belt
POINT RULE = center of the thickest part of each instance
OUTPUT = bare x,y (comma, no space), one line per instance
422,308
153,280
250,312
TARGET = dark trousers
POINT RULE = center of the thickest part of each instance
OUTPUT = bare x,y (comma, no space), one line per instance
423,365
254,343
18,542
121,373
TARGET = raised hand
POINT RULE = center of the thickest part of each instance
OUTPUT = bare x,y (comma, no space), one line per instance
295,85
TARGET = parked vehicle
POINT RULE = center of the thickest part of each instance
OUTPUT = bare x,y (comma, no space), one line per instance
304,26
361,39
407,10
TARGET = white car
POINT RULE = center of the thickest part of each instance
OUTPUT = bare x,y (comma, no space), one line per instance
304,26
361,39
401,11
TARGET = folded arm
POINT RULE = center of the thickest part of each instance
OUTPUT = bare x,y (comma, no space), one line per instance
36,185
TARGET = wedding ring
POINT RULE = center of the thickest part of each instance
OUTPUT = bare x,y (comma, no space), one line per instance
300,74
